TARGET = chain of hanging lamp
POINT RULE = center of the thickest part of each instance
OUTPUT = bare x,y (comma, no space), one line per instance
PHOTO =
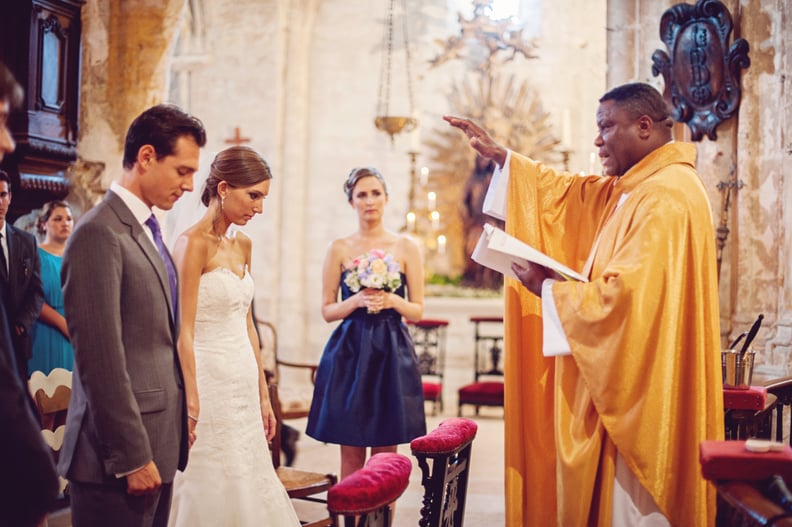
393,124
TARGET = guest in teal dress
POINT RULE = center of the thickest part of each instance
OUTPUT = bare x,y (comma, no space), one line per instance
51,345
368,392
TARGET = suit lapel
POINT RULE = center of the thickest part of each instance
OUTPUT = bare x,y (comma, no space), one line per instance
12,257
146,246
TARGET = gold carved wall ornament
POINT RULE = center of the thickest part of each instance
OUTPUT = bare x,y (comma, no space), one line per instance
505,105
701,71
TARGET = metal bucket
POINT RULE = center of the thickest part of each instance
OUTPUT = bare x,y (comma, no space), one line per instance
737,369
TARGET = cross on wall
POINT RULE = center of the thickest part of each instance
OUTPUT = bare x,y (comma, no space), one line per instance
237,139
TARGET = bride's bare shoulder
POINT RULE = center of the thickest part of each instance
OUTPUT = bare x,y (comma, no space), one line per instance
194,241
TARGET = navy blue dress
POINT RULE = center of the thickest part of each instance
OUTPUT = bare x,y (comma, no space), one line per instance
368,387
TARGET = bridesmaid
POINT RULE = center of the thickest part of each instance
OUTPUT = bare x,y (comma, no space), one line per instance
50,335
368,386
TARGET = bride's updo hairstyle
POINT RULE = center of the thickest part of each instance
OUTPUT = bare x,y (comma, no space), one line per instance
239,166
359,173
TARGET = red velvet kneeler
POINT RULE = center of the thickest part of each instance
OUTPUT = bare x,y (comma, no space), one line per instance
729,460
384,478
753,398
447,437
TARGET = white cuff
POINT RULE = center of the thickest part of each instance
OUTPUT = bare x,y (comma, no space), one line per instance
554,340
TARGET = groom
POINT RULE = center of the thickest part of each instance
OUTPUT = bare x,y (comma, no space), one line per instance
126,430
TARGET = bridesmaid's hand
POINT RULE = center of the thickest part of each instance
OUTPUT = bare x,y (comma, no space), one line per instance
387,300
374,299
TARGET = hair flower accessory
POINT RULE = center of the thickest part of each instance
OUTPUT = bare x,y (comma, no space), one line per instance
375,269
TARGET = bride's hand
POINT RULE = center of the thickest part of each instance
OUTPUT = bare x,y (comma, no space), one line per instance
191,424
268,418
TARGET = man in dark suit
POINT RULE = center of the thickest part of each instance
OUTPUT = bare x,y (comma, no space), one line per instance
126,430
28,485
20,269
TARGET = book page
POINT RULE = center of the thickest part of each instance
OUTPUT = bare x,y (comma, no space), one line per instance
497,250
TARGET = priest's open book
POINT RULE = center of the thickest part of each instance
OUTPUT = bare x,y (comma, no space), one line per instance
497,250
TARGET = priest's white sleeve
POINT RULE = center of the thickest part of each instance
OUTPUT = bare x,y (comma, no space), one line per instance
554,340
495,199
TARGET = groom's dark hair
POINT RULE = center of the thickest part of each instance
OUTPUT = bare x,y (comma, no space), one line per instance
161,126
10,89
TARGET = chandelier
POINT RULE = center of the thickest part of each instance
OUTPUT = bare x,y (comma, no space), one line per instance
394,124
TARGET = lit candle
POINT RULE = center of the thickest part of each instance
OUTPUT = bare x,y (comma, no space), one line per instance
432,198
411,221
566,129
592,163
441,244
424,176
435,220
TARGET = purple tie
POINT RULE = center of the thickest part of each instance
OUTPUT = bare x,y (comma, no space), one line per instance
153,224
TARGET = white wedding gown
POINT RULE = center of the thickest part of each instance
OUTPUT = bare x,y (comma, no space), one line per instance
229,480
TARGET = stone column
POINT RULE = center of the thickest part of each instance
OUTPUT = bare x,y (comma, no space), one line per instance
127,47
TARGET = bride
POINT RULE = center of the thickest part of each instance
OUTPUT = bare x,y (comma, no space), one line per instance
229,479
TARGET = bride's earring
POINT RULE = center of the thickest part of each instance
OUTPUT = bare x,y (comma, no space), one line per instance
222,202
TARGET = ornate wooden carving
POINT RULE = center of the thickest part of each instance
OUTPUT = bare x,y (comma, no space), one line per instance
701,71
40,42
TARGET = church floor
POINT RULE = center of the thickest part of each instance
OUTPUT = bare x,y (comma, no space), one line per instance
485,501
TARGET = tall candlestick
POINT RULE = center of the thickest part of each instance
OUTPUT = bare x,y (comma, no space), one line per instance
441,244
435,220
424,176
432,198
411,221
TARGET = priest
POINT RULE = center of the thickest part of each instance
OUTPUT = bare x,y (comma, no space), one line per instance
611,384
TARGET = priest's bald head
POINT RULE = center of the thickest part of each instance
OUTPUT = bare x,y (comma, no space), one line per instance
633,120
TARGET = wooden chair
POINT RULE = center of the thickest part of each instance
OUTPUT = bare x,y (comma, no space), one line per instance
293,379
429,338
367,493
300,484
487,387
448,447
51,394
782,389
295,403
747,504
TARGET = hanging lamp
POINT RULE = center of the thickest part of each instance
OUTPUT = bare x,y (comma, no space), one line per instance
394,124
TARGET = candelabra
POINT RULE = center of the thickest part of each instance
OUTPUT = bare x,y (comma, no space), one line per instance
423,220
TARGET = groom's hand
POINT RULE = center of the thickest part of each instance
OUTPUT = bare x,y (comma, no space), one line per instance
144,481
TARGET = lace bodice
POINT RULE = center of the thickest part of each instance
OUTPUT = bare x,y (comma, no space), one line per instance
223,302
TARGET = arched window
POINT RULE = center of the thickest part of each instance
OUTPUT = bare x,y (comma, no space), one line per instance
189,52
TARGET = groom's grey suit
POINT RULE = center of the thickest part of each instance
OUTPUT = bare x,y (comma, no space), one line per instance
127,406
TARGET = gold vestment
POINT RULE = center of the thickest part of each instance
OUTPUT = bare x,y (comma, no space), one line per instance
644,376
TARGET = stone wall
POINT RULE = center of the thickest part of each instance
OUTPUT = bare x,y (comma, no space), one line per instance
753,149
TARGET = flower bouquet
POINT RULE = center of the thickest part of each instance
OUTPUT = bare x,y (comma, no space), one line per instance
375,269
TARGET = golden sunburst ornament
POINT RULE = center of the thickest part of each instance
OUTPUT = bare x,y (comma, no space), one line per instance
512,113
